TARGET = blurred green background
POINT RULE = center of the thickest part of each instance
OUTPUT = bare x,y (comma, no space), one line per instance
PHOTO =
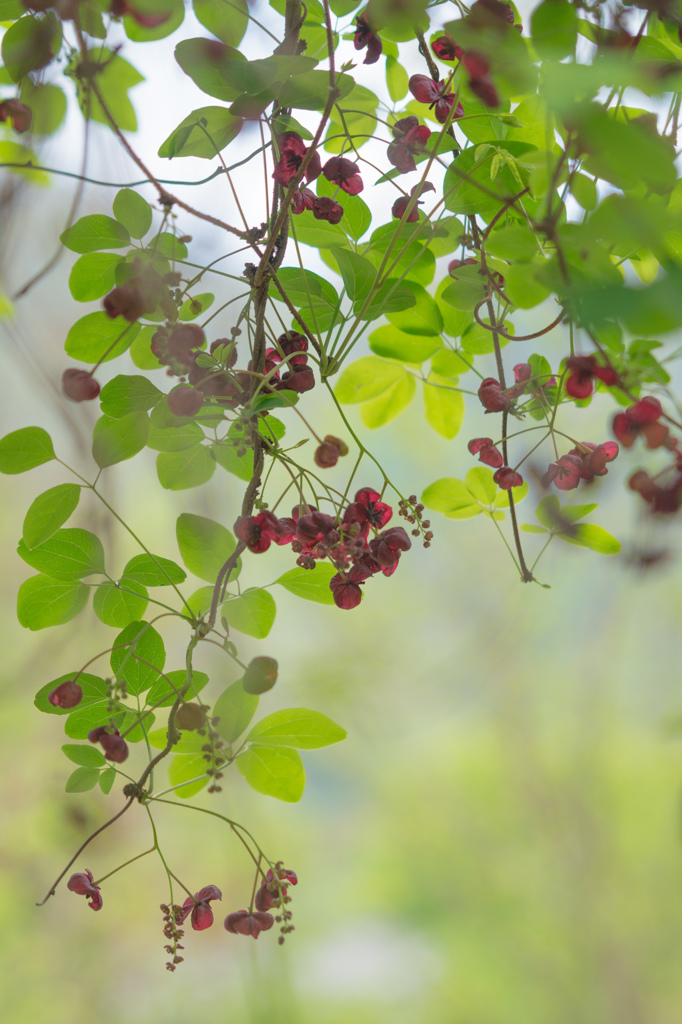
498,839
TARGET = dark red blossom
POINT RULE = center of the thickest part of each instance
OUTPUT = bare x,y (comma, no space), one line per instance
114,746
326,208
401,204
453,265
269,893
425,90
302,199
493,398
294,344
125,300
345,173
446,48
328,453
199,907
298,379
564,473
292,151
641,419
410,139
365,36
480,81
386,548
312,527
486,451
582,371
185,401
84,884
259,677
664,500
241,922
506,478
79,385
370,508
345,586
20,114
146,19
258,532
67,695
595,458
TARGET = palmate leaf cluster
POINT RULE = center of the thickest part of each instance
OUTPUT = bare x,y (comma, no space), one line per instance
554,222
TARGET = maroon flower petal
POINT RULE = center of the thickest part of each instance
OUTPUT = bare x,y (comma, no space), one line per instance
423,88
66,695
506,478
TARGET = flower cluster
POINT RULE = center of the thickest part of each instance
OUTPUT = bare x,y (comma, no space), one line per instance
582,371
345,540
410,140
401,204
425,90
642,419
292,152
581,463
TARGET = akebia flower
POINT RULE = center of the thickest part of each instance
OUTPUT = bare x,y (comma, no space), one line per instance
326,208
582,371
327,454
292,151
20,115
84,884
114,746
486,451
302,199
345,586
454,265
425,90
269,893
564,473
480,82
79,385
506,478
385,549
446,48
146,19
125,300
595,458
493,398
67,695
370,509
400,205
241,922
345,173
664,500
641,418
298,379
365,36
258,532
199,908
410,140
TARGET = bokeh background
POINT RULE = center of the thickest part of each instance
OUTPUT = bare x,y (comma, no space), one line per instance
498,839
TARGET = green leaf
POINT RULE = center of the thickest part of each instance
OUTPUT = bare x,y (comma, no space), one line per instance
310,584
502,496
554,24
358,273
317,233
240,465
357,216
252,613
310,90
205,546
87,757
83,719
589,535
226,20
584,191
93,275
48,512
115,440
81,780
175,9
93,232
274,771
127,394
94,691
141,351
452,497
203,133
43,602
184,767
169,433
516,242
381,410
25,449
154,571
118,604
205,60
114,78
138,656
133,212
531,528
192,307
234,708
443,406
408,348
48,106
189,743
66,555
107,779
31,43
191,467
422,318
96,338
297,727
523,287
449,364
168,245
367,378
164,691
396,79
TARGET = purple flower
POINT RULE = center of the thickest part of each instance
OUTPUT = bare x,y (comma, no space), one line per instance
291,154
241,922
202,915
345,173
84,884
366,37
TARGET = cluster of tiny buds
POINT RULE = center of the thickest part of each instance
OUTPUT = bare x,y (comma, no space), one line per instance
412,511
172,933
117,690
213,753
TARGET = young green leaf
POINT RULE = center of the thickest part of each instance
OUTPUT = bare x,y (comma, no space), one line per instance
297,727
589,535
234,710
138,656
43,602
107,779
226,21
204,546
66,555
191,467
94,690
95,338
443,406
82,780
94,232
154,571
386,406
367,378
87,757
203,133
274,771
25,449
184,767
167,687
118,604
252,613
310,584
115,440
93,275
125,394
